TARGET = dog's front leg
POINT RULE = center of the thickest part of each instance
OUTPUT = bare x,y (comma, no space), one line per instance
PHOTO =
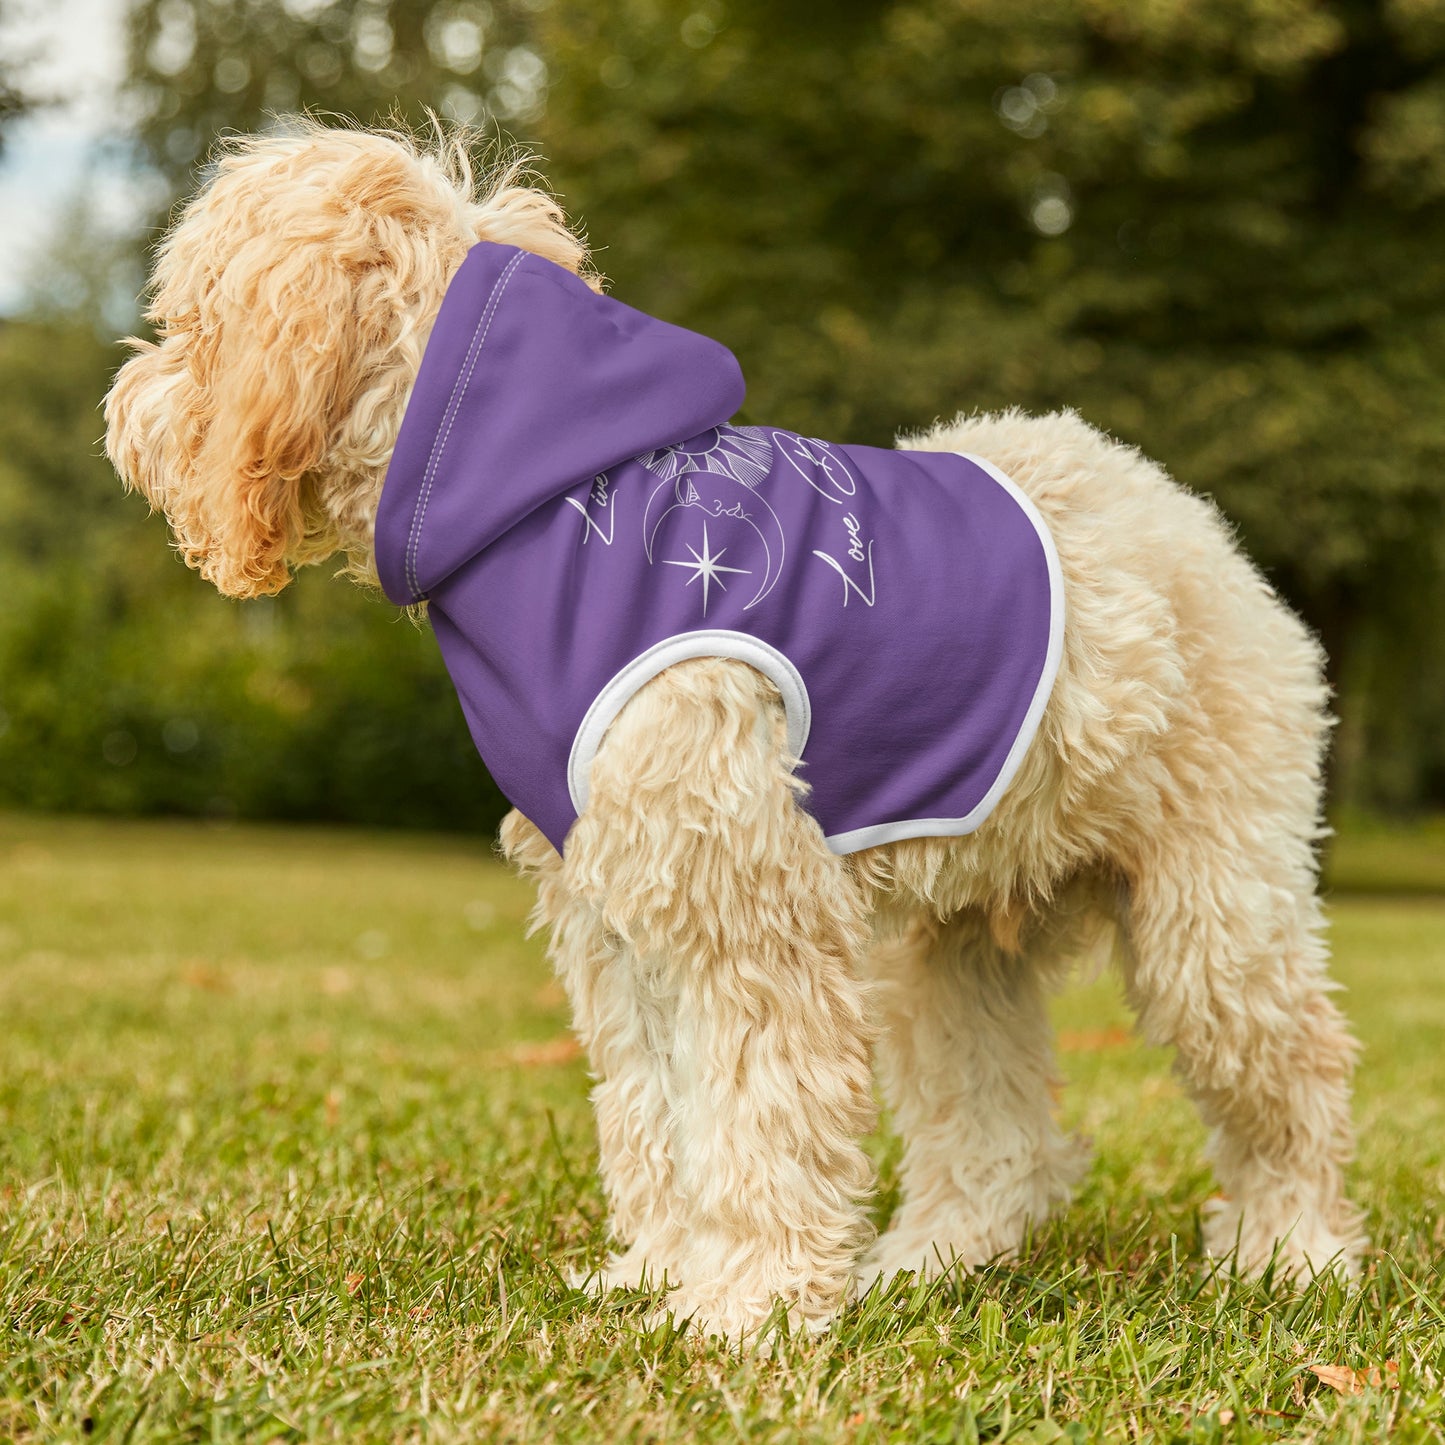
700,862
622,1013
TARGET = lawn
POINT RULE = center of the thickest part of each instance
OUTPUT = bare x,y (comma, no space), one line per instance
293,1145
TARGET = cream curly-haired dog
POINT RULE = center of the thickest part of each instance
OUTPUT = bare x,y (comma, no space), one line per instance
731,974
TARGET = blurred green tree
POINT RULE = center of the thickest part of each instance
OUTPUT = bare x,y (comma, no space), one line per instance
15,100
127,685
202,67
1215,227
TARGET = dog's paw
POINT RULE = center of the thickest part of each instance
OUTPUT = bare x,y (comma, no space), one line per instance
965,1228
741,1323
1298,1245
958,1246
633,1270
892,1258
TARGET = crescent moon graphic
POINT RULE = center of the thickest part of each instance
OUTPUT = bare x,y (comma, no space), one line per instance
719,496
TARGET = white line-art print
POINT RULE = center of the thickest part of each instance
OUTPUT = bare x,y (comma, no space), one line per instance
706,565
744,453
820,464
718,473
858,553
599,497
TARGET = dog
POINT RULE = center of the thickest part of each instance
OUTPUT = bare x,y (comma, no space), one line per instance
735,971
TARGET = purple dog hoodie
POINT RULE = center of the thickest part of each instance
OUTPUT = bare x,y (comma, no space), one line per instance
570,498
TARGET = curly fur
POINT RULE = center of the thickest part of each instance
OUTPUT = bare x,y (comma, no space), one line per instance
729,976
292,301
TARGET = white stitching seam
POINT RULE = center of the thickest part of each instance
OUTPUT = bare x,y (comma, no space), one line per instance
474,350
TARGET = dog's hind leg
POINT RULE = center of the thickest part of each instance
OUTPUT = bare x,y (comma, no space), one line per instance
966,1060
697,856
1228,966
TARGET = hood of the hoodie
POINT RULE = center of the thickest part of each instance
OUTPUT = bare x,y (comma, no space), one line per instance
530,383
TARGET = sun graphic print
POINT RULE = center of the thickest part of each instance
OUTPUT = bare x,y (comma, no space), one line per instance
744,453
706,508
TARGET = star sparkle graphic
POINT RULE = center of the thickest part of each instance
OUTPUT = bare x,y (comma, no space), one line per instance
705,565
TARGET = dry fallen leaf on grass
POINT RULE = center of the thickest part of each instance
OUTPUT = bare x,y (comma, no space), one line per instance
1092,1041
1355,1382
197,973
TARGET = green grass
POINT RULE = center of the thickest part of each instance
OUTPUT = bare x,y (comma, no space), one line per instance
1369,855
284,1155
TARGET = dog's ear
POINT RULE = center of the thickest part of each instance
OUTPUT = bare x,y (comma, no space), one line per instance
148,411
222,422
219,422
278,358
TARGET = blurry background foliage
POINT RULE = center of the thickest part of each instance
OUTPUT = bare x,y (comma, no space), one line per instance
1214,227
